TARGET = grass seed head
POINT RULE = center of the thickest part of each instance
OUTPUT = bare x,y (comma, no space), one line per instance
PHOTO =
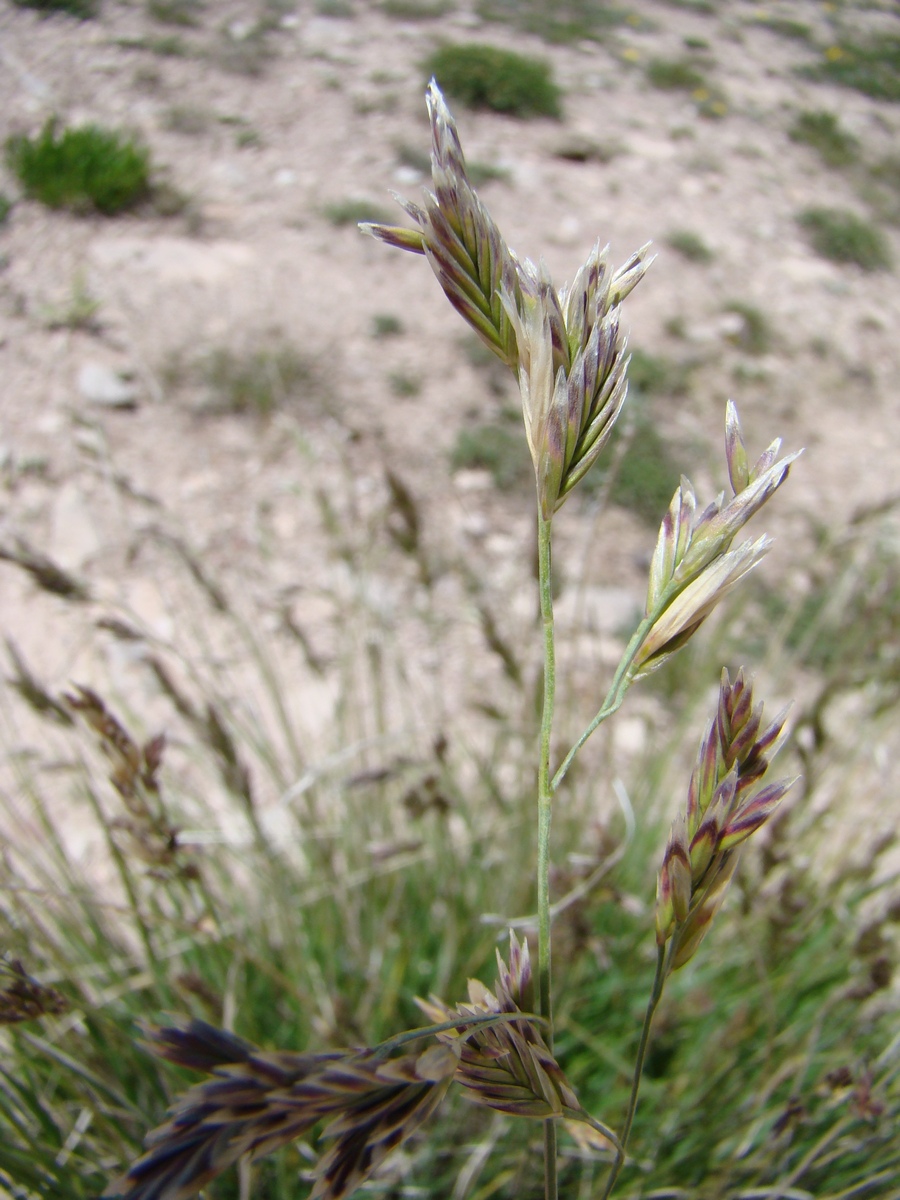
724,807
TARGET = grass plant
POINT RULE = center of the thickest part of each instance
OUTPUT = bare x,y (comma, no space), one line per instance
768,1067
86,169
871,67
483,76
564,22
185,13
674,75
690,245
351,211
844,237
84,9
256,382
823,132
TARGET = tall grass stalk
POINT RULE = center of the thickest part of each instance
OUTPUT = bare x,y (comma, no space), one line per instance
297,935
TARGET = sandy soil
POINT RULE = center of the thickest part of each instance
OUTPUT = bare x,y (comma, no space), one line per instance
294,513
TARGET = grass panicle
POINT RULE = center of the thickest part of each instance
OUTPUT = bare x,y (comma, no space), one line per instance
255,872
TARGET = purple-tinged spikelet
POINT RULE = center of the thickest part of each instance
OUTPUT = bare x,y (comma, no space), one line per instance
724,807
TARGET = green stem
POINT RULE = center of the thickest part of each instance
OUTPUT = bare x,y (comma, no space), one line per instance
659,981
614,697
545,802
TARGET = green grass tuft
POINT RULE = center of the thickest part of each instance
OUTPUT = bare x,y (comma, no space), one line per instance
558,23
184,13
647,475
85,169
755,335
498,447
74,8
822,130
417,10
256,382
843,237
690,245
672,75
484,77
872,68
353,210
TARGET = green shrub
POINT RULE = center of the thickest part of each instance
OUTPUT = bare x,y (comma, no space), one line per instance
75,8
5,207
844,237
872,68
85,169
485,77
822,130
690,245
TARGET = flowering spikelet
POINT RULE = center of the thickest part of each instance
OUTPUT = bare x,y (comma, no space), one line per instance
458,236
724,807
566,349
572,367
23,998
694,565
257,1101
506,1067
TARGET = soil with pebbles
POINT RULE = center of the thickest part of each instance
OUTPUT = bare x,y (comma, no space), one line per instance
336,524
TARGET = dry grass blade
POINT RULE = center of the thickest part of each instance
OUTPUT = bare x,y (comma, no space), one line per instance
47,574
257,1101
135,776
33,691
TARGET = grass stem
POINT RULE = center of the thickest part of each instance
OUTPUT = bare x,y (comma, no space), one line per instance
659,981
545,803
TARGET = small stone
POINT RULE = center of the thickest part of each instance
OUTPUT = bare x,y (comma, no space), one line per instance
107,387
74,538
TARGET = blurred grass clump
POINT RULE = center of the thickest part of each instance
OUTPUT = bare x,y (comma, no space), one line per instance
85,169
74,8
872,67
483,76
822,131
560,23
690,245
844,237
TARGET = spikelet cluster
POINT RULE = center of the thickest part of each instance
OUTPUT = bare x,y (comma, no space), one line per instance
726,803
23,998
694,564
507,1067
566,348
257,1101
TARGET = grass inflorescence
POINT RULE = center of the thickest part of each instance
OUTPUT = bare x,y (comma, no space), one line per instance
250,876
